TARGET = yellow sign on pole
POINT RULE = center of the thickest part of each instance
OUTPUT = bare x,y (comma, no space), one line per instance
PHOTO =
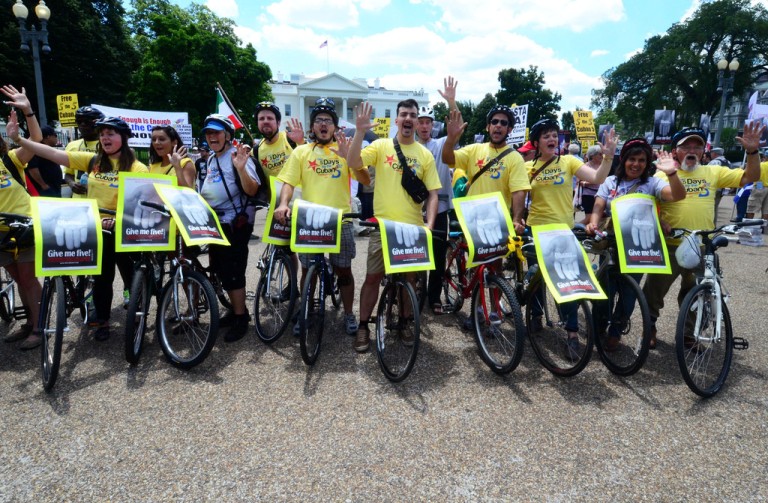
381,127
585,127
67,105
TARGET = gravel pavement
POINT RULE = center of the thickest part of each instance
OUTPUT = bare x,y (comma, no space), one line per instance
254,423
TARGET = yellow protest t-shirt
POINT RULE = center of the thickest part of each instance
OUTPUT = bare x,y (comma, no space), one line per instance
156,169
552,191
697,210
764,173
101,186
506,176
79,146
323,175
14,198
390,200
272,157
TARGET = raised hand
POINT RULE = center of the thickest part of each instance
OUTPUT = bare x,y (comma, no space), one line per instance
456,124
449,91
343,142
240,157
295,131
666,163
750,140
363,117
12,127
16,99
610,142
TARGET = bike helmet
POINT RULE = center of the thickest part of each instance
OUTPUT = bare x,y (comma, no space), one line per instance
115,123
218,122
540,127
88,113
324,105
685,133
500,109
426,112
267,105
688,254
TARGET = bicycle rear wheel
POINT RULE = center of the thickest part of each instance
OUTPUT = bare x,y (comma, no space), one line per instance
84,294
547,320
622,324
499,327
397,330
312,315
333,285
704,358
136,316
187,320
7,295
454,280
275,298
53,322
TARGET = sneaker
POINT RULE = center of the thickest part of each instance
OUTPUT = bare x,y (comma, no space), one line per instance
238,328
537,324
407,337
22,333
228,319
126,298
32,341
573,349
350,323
362,339
468,324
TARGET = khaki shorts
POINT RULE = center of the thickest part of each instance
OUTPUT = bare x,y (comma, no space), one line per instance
347,251
758,202
24,256
375,263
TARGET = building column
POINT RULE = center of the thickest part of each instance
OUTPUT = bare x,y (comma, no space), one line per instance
344,108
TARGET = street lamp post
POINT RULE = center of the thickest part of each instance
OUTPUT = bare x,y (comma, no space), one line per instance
31,37
725,86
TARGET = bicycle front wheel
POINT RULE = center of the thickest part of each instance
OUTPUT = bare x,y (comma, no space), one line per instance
187,320
397,330
622,324
312,316
136,317
548,326
703,355
499,327
53,322
454,280
275,299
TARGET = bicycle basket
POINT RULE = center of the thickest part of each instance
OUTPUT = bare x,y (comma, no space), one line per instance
688,254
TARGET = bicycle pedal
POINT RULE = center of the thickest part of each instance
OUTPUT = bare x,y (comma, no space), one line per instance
740,343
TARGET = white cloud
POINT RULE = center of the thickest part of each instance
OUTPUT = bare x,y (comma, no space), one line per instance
628,55
598,52
328,14
224,8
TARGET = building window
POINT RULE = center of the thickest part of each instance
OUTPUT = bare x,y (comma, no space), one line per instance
288,110
387,113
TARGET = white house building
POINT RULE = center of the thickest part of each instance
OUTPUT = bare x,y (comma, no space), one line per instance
297,95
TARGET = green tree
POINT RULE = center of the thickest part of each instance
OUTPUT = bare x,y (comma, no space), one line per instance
522,87
678,69
91,53
477,124
184,53
608,116
567,123
728,138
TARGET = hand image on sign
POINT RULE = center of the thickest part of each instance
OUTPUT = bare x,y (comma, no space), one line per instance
318,218
640,218
144,216
564,255
405,234
193,210
72,230
485,221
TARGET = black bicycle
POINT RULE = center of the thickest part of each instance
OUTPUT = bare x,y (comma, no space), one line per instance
276,293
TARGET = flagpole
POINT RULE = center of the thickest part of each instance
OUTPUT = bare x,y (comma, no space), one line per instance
234,110
327,60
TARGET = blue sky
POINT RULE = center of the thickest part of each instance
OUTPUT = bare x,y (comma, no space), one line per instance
413,44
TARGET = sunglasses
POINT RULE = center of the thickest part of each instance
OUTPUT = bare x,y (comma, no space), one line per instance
503,122
325,102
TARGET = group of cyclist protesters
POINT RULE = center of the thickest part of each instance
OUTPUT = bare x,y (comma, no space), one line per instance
536,192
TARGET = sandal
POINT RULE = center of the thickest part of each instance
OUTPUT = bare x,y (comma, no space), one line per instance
34,340
22,333
438,309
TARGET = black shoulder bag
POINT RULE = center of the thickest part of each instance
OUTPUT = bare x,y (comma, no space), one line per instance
410,182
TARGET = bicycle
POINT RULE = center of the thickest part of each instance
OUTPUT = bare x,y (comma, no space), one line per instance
704,340
622,322
188,314
276,293
545,319
16,225
497,318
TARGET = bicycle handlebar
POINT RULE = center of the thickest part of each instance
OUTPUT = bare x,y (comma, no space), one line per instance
730,228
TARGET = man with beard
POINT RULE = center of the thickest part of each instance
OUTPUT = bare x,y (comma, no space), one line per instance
85,118
500,168
390,199
325,179
274,149
697,210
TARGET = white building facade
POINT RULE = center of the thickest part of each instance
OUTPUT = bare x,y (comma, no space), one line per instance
297,95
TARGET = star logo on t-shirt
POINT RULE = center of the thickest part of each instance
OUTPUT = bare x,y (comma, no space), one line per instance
390,160
264,162
480,163
313,165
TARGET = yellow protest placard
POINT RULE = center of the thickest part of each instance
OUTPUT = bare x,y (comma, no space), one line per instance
67,105
381,127
585,126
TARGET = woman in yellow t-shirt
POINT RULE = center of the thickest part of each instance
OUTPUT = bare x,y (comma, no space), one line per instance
112,156
551,177
168,156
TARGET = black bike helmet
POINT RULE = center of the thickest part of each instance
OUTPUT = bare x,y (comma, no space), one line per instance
88,113
267,105
218,122
687,132
115,123
324,105
542,126
501,109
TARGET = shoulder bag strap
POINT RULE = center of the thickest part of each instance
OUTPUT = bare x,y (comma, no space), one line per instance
536,173
490,164
400,156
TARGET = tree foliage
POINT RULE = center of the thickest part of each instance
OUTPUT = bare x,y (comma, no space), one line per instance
527,86
678,69
184,53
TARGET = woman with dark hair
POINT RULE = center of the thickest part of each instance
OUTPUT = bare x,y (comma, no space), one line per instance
168,156
112,156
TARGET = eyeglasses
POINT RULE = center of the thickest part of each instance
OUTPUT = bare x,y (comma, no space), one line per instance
503,122
328,102
323,120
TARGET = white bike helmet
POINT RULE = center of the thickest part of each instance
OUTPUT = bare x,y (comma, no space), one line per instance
688,254
426,112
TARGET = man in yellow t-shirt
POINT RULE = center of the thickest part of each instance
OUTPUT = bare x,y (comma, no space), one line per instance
325,178
505,170
272,152
390,200
758,198
696,211
85,118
